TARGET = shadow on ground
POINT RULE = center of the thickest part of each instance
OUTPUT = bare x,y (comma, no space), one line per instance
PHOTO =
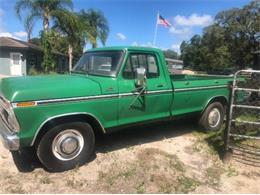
243,151
26,160
247,154
143,134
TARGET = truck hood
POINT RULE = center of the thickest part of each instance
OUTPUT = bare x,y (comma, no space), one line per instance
48,87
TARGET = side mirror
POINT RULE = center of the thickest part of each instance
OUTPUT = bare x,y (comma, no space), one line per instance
140,77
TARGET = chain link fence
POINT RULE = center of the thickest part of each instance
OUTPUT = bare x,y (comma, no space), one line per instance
243,119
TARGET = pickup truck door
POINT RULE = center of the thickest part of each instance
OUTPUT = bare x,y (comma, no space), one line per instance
155,102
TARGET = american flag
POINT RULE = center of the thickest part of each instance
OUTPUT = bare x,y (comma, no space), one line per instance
163,21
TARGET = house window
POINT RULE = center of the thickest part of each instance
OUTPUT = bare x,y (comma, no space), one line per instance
16,58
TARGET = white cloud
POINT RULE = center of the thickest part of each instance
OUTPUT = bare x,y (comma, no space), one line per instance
16,35
148,44
134,43
21,34
8,34
176,47
180,31
183,33
193,20
4,33
121,36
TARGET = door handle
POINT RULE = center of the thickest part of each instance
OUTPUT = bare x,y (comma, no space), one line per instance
187,83
160,85
110,89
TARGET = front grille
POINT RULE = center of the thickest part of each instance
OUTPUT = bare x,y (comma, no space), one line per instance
4,114
8,116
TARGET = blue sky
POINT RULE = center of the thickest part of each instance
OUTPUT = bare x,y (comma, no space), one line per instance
132,22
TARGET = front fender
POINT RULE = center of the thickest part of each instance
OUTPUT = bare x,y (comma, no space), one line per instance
31,119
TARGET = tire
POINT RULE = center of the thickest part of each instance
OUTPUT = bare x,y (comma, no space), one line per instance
213,116
66,146
25,159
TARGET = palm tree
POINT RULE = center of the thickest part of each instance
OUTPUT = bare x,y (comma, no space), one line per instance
42,9
96,26
69,25
45,10
28,26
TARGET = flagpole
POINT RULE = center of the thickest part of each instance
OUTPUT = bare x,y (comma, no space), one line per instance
156,27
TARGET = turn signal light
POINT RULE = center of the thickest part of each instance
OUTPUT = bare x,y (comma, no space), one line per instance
25,104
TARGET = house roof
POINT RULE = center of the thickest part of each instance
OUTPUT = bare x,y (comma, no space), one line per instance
15,43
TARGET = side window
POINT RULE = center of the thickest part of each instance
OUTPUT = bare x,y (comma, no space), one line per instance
128,71
135,61
142,61
152,66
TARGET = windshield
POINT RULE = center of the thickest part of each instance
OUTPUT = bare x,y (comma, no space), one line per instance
99,63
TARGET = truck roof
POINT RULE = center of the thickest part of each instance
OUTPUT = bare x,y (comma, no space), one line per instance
131,48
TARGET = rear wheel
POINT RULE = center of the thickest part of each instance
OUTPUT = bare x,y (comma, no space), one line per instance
212,118
66,146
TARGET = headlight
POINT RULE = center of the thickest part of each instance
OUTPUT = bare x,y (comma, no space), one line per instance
8,116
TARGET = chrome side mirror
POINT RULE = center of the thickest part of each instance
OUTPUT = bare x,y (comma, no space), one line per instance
140,77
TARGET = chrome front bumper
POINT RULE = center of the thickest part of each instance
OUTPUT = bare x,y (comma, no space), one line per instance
10,140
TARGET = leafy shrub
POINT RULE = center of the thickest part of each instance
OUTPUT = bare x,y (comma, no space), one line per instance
33,71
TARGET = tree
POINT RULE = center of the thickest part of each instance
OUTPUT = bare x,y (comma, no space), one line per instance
242,31
191,53
28,26
35,41
70,26
95,26
42,9
48,62
170,54
214,49
45,10
232,41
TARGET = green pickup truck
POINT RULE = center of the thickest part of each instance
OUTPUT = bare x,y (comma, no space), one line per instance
108,89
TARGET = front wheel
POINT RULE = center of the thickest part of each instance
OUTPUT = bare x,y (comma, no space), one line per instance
212,118
66,146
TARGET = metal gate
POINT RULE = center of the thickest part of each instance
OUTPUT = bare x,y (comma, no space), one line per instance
243,118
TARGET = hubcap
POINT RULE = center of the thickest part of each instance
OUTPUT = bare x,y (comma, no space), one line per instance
214,117
68,144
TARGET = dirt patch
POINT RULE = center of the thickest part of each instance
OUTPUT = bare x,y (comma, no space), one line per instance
163,158
152,170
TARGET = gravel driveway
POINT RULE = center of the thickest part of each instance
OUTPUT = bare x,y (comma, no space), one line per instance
163,158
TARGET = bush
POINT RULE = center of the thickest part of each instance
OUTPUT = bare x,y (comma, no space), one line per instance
33,71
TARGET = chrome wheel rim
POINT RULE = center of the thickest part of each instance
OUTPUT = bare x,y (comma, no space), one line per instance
214,117
67,145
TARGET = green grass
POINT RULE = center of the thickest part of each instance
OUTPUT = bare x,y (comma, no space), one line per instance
214,139
248,117
45,180
186,184
140,188
231,171
213,175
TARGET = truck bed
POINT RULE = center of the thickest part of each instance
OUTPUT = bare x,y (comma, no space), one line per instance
189,81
